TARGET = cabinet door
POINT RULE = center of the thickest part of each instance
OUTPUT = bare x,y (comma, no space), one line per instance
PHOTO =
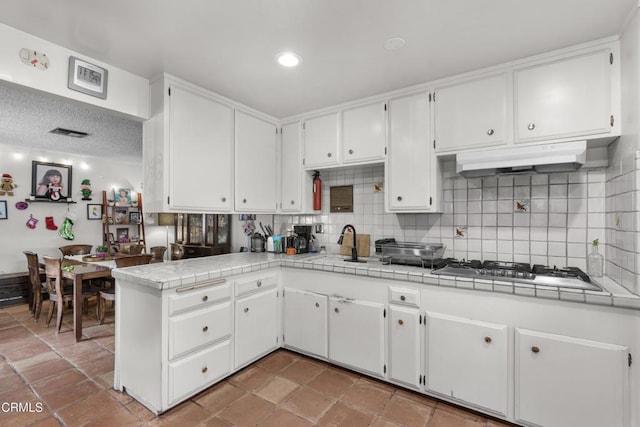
256,326
292,173
404,345
256,164
566,98
562,381
363,133
200,152
321,141
471,114
305,321
467,360
356,334
408,164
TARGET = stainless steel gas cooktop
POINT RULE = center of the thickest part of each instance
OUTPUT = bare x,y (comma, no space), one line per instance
566,277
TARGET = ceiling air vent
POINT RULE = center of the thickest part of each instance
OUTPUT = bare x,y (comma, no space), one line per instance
69,132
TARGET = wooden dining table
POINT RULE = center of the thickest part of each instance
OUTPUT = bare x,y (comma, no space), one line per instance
79,271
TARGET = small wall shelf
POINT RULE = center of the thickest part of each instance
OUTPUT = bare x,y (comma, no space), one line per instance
68,202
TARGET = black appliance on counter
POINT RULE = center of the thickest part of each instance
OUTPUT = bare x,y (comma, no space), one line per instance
300,239
520,272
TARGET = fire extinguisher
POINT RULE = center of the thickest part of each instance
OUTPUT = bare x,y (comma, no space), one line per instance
317,191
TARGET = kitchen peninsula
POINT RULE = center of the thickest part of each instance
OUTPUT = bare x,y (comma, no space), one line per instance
493,346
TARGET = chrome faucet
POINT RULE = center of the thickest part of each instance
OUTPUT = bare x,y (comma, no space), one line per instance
354,249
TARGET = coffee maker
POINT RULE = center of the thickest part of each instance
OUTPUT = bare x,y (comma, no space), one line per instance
304,236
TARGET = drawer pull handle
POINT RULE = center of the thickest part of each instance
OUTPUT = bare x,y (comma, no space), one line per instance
336,310
317,305
246,310
487,339
402,298
535,349
205,298
205,329
259,283
202,285
400,322
204,369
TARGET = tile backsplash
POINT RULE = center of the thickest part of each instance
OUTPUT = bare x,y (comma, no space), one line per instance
539,219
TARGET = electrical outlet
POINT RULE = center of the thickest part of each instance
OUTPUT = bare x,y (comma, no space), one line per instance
318,228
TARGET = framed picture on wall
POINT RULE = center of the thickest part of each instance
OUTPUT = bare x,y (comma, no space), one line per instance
3,209
94,211
50,180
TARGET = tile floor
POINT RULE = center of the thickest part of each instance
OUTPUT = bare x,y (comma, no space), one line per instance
60,382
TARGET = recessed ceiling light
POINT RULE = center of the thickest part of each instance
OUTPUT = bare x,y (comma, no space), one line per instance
288,59
394,43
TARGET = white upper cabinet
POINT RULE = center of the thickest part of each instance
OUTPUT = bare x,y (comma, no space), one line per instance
187,142
472,113
570,97
256,164
412,175
363,133
292,173
567,381
321,141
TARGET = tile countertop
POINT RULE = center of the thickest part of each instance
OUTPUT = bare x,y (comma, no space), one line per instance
168,275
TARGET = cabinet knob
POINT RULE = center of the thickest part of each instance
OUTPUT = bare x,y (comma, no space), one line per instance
400,322
293,202
350,151
531,126
204,369
487,339
224,199
205,329
259,283
244,200
535,349
399,198
336,310
205,298
402,298
317,305
328,154
246,309
490,132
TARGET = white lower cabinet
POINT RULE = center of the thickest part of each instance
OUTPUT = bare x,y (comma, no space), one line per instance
305,321
404,345
468,360
566,381
356,334
256,326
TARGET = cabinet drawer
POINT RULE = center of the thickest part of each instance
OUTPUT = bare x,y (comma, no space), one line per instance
255,284
405,296
198,328
202,295
195,372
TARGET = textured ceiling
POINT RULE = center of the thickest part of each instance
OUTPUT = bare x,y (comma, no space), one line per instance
26,117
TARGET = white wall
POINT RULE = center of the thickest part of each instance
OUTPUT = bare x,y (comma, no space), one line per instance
126,92
16,237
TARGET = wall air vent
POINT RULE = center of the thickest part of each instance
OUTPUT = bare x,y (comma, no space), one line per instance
69,132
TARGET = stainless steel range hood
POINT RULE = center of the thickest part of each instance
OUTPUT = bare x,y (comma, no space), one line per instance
532,159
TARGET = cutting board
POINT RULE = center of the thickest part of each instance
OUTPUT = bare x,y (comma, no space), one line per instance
362,244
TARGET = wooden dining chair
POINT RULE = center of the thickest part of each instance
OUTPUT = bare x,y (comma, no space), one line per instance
75,249
38,288
158,253
109,294
58,294
136,249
